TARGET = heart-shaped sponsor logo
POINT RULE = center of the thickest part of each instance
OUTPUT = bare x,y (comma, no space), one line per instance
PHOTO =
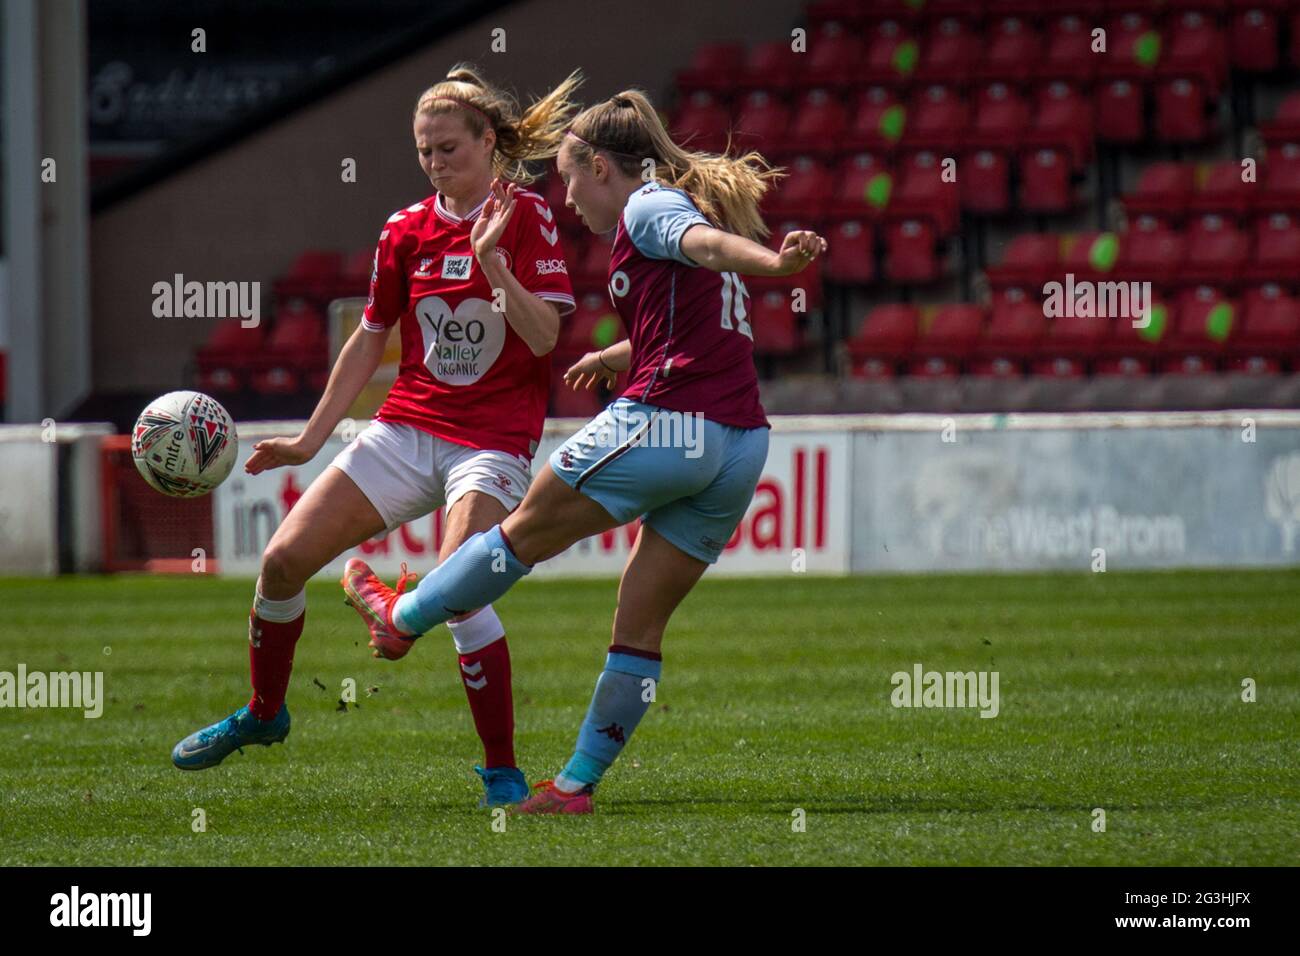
461,345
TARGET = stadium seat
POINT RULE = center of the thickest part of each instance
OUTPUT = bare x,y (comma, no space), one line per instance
891,54
949,53
1063,121
1222,190
225,362
947,342
1129,38
1072,341
1163,190
936,120
986,182
1013,335
1282,182
1216,252
1277,249
1045,181
819,120
1001,117
878,121
1069,51
1253,38
770,65
314,275
702,122
863,187
1132,350
1121,111
714,66
803,193
1031,259
834,54
884,339
1197,50
354,279
911,253
1270,331
1090,256
1183,111
922,193
1013,50
297,346
851,257
1152,255
1284,127
1205,322
763,122
774,323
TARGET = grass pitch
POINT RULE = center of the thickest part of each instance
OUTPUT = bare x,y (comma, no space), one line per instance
1119,691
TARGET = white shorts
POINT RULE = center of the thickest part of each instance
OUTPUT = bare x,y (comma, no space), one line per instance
407,473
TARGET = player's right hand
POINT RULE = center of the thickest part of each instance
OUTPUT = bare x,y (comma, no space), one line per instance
275,452
587,371
799,249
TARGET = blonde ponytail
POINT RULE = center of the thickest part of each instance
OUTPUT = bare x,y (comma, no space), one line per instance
727,189
522,137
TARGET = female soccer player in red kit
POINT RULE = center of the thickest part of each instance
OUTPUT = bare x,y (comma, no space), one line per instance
477,280
681,243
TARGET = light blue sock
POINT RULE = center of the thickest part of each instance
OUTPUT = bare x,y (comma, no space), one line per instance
480,571
620,701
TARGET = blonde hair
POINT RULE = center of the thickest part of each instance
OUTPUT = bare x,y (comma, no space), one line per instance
522,137
727,189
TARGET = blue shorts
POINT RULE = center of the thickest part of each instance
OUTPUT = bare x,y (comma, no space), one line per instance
689,478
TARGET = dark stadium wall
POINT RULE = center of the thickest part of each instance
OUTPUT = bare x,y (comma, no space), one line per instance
245,214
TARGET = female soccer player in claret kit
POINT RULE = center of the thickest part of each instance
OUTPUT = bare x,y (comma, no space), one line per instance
476,277
681,242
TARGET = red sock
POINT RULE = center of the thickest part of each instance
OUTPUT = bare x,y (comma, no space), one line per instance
486,674
270,661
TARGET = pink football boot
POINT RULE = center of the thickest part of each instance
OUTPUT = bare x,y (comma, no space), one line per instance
546,798
374,601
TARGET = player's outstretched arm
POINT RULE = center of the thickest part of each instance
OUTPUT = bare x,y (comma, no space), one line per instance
356,365
603,365
724,251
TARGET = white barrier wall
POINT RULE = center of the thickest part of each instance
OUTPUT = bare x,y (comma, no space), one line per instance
927,492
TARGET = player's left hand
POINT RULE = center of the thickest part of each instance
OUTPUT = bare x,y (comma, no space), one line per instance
797,250
494,218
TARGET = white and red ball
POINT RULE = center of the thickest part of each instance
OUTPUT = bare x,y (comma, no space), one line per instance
184,444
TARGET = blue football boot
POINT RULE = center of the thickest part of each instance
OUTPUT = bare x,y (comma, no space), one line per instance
211,745
502,786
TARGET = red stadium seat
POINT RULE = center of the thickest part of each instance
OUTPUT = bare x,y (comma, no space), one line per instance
1183,111
1072,341
986,182
911,253
1154,255
1064,120
803,193
819,121
1001,117
314,275
950,52
1163,190
948,341
1013,50
1205,323
1197,50
1069,50
775,324
770,65
922,193
1253,39
1121,110
851,256
884,339
834,55
1130,350
1216,252
702,122
891,54
225,362
936,120
354,279
1222,190
878,121
1282,181
714,66
763,122
1285,125
1089,255
1270,332
1045,181
1126,35
1277,249
1013,335
1031,259
297,346
863,187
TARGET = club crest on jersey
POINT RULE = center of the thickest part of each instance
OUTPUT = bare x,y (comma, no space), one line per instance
456,267
504,258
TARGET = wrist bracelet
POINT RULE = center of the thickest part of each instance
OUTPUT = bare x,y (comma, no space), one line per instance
600,357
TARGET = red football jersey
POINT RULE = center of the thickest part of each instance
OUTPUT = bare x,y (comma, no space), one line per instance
465,375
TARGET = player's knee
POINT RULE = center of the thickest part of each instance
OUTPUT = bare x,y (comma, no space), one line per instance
282,569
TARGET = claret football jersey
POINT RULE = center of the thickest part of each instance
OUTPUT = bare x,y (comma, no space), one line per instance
465,374
692,346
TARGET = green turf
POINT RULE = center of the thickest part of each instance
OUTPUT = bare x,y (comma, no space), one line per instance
1118,690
